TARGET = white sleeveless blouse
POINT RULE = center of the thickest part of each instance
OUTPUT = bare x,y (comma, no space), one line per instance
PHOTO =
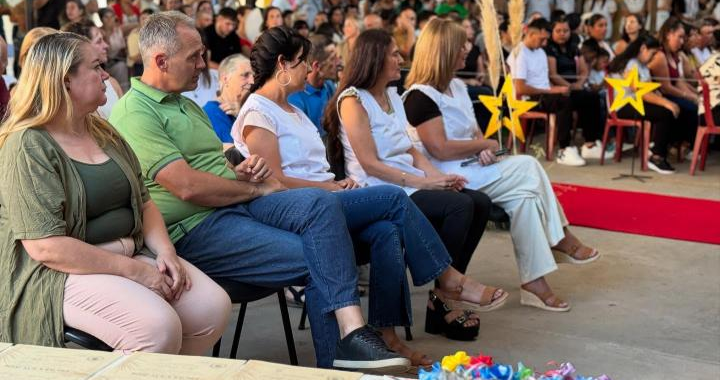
388,131
459,122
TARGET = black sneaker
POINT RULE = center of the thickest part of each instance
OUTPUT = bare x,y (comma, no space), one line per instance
661,166
364,349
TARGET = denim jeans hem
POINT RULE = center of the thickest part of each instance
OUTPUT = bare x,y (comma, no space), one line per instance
341,305
443,267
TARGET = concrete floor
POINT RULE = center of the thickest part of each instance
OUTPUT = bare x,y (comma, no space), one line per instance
649,309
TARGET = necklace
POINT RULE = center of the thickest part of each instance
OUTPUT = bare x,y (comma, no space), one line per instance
386,99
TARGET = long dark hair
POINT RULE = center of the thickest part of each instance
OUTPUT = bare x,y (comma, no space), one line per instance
618,64
278,42
365,64
625,37
266,13
592,20
672,24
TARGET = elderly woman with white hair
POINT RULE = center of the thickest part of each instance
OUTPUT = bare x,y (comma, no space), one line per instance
235,77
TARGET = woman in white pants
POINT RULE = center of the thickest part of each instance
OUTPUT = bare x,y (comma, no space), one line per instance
441,119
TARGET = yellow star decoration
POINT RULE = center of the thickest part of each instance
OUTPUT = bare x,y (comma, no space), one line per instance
517,108
630,90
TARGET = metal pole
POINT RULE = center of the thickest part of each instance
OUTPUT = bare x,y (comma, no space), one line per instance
29,14
652,12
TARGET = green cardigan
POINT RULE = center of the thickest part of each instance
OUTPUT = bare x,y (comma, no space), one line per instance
42,195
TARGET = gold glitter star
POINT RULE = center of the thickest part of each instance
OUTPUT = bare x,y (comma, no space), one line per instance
630,90
505,101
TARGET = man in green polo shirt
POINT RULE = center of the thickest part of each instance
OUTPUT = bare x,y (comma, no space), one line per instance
239,223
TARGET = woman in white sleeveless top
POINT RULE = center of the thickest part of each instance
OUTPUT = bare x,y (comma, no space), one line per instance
113,91
441,119
382,217
367,139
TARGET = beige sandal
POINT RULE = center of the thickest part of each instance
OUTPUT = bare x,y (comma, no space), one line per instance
541,302
488,300
569,258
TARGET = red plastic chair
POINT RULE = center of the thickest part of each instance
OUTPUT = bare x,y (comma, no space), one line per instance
703,132
550,136
613,121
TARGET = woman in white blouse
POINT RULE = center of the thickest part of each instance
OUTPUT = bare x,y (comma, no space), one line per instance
441,120
382,217
367,139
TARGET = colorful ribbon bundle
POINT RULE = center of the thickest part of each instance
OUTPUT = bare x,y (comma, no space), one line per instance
463,367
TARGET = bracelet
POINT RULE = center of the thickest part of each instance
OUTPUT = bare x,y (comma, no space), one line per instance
402,179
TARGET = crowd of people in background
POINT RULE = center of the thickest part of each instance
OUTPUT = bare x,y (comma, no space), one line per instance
364,110
583,37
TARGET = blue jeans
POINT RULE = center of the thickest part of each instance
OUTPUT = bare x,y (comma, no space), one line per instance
294,237
387,220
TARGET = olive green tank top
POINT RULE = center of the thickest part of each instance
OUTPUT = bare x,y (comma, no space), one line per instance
107,200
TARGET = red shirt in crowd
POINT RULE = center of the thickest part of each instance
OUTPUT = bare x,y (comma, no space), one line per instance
121,15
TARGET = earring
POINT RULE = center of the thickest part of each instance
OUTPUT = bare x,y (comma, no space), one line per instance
277,78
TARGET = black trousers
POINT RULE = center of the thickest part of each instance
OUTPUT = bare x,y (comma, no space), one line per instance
588,107
662,120
715,114
458,217
561,106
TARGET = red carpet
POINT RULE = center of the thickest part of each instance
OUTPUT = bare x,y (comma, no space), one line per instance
641,213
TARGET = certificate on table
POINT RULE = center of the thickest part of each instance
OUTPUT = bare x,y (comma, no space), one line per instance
35,363
260,370
143,365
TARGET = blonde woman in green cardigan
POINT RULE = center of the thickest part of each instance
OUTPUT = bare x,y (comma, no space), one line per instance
81,242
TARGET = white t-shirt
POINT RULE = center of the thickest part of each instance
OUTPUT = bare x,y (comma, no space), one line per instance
112,98
542,6
692,7
302,153
530,65
204,92
635,6
701,54
567,6
596,77
643,71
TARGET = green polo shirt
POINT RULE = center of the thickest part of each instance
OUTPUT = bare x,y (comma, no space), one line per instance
164,127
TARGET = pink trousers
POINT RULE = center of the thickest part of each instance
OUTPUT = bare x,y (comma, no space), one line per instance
130,317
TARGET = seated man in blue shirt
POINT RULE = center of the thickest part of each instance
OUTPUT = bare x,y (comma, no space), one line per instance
236,77
320,85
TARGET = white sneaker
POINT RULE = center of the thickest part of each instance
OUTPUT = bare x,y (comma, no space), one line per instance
594,152
570,157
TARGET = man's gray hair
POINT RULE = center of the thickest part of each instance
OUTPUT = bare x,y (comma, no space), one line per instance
159,33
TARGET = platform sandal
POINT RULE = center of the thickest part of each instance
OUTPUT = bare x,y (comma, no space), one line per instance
491,298
435,322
